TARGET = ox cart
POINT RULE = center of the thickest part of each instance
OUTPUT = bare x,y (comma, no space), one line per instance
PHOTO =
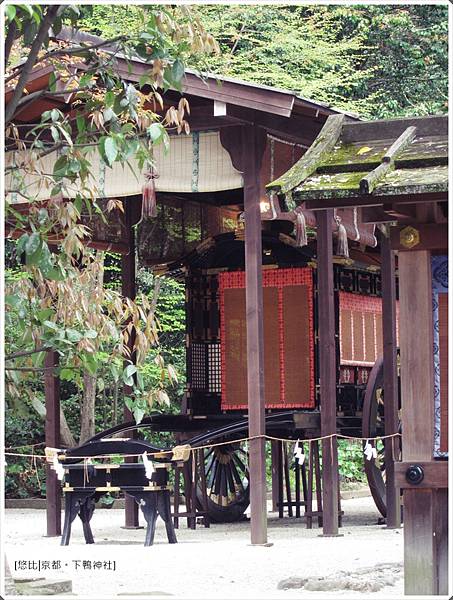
214,407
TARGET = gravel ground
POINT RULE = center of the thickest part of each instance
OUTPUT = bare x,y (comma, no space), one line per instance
217,562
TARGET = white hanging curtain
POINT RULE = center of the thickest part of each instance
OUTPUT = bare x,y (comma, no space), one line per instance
194,163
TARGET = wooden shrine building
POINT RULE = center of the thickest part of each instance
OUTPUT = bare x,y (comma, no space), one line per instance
331,173
395,173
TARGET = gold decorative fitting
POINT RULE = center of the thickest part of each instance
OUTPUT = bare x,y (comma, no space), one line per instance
409,237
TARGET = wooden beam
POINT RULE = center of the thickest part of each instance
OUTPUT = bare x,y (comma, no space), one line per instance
435,474
388,129
253,144
368,183
417,364
128,290
376,214
431,236
318,151
372,200
327,371
299,129
52,436
391,395
425,510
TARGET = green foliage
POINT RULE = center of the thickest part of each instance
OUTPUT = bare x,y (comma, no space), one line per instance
61,302
350,461
23,476
378,61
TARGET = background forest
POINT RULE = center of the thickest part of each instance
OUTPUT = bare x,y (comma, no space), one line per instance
376,61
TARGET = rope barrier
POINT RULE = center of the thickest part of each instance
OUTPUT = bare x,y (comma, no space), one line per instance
213,445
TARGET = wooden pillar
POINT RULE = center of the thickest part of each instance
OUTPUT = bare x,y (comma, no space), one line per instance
128,290
275,474
252,151
390,380
52,434
425,509
327,371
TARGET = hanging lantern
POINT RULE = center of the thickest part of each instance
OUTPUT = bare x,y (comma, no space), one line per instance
149,199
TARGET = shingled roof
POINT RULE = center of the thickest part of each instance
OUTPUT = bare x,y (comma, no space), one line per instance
370,163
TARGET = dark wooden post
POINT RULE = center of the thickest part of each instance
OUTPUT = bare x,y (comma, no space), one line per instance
275,474
252,151
390,380
425,509
52,433
327,372
128,290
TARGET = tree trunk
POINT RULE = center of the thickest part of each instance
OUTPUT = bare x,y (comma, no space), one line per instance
88,407
66,437
87,410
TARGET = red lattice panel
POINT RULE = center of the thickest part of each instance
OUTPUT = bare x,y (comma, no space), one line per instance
288,339
361,329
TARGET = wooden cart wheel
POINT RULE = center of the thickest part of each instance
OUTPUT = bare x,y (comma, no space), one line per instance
227,483
373,425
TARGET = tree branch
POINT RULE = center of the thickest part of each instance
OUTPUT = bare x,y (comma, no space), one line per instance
26,353
46,23
10,37
66,52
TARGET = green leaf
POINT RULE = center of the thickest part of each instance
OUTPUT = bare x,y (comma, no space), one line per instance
55,115
109,150
21,242
177,72
109,99
55,134
156,131
33,243
91,363
44,314
114,371
140,382
85,80
108,114
128,375
60,167
81,124
91,334
138,414
66,374
14,301
10,12
56,274
52,82
144,79
73,335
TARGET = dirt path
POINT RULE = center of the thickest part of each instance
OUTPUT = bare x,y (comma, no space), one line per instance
216,562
